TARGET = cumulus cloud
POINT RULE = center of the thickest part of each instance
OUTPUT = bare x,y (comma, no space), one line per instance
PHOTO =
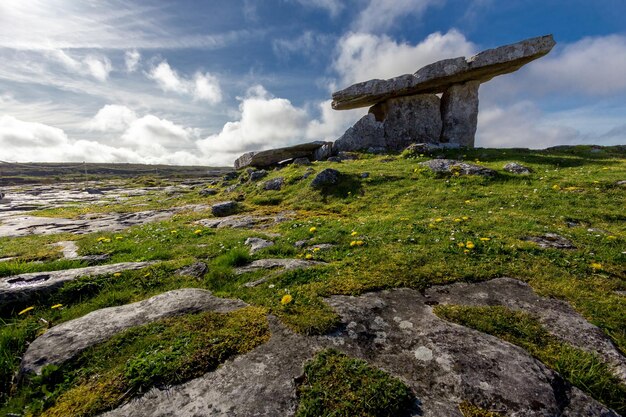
202,87
380,15
112,117
97,66
363,56
309,43
131,59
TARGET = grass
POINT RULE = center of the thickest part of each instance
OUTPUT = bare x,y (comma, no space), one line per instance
339,386
410,221
582,369
160,354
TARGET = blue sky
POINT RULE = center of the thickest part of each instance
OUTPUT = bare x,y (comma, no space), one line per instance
199,82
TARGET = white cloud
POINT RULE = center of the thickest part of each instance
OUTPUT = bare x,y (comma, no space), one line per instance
308,43
334,7
203,87
112,117
362,56
380,15
131,59
97,66
15,133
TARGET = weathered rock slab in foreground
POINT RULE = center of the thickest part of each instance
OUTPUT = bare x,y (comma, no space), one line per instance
20,289
68,339
443,363
437,77
247,221
271,157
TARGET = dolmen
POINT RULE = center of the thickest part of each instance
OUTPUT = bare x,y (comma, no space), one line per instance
408,109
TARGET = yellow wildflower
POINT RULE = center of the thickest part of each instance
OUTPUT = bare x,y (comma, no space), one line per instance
469,244
431,225
313,230
353,243
466,251
468,201
457,220
106,240
465,218
360,243
197,231
316,249
556,187
117,274
438,219
56,306
286,299
308,256
353,234
611,237
173,231
461,245
119,237
596,265
485,239
26,310
100,239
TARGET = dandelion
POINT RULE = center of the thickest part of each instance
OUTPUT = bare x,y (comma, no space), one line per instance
100,239
360,243
286,299
353,234
117,274
485,239
54,307
26,310
438,219
353,243
611,237
469,244
119,237
431,225
308,256
313,230
173,231
316,249
465,218
468,201
197,231
461,245
457,220
466,251
596,265
556,187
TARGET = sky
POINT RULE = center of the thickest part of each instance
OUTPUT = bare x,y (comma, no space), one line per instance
201,82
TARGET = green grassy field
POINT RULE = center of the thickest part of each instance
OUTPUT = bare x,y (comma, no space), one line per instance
402,226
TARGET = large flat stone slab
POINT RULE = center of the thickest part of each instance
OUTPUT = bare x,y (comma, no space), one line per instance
68,339
437,77
20,289
271,157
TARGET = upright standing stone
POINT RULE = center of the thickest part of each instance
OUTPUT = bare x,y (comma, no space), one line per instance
414,119
459,114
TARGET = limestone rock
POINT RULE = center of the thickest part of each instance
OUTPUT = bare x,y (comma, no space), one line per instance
21,289
274,184
364,134
551,240
68,339
301,161
224,208
449,166
246,221
515,168
415,150
325,178
439,76
273,156
459,113
256,244
197,270
409,120
335,159
323,152
208,192
257,175
284,264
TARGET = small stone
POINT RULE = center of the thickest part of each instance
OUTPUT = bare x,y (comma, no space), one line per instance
300,244
334,159
208,192
515,168
230,176
365,175
622,182
327,177
451,166
301,161
196,270
256,244
257,175
225,208
551,240
274,184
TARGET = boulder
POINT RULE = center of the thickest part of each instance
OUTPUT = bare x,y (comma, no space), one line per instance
257,175
68,339
224,208
208,192
197,270
301,161
366,133
551,240
325,178
409,120
439,76
515,168
451,166
459,114
247,221
271,157
274,184
335,159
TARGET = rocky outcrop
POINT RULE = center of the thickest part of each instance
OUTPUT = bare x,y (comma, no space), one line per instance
439,76
459,113
443,363
551,240
21,289
224,208
247,221
515,168
451,166
256,244
68,339
271,157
